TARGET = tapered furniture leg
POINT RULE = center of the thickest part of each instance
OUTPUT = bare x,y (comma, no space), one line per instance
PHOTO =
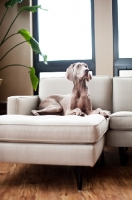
79,176
126,148
123,156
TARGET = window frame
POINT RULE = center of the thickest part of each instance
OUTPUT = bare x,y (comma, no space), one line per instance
119,63
61,66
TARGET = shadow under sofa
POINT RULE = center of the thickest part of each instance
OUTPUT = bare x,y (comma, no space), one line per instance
59,140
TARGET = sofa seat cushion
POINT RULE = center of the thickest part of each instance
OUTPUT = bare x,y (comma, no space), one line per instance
121,121
52,128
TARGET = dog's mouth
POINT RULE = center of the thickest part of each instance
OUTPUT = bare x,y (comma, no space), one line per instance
86,74
84,77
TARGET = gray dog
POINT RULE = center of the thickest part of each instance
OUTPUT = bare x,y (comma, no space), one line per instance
77,103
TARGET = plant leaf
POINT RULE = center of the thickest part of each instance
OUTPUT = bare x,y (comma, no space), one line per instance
11,3
25,34
45,59
34,44
31,8
34,78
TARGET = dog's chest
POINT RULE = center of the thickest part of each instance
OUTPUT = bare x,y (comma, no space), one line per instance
80,103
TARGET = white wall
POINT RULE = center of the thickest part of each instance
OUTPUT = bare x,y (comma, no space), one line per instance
103,37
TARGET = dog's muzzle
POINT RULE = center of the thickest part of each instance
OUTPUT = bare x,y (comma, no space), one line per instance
86,72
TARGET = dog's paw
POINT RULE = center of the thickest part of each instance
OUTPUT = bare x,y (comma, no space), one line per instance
105,113
79,112
34,112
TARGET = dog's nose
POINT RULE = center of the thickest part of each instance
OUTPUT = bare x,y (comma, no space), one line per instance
87,70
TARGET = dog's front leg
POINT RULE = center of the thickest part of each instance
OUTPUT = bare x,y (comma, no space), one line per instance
105,113
75,111
72,108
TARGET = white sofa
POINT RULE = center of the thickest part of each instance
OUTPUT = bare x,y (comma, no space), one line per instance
67,140
119,133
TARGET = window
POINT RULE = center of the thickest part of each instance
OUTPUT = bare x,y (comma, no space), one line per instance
122,20
65,33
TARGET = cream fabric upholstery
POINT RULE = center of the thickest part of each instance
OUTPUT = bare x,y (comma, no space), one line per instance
50,86
22,104
53,129
118,138
101,92
120,132
52,154
121,121
122,94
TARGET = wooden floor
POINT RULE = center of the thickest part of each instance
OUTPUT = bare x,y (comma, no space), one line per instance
39,182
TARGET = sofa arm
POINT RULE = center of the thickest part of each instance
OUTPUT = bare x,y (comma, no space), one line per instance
22,105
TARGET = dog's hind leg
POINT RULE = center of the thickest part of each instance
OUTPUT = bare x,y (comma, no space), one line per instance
51,109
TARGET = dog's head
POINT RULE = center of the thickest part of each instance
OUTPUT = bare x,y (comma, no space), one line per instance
78,71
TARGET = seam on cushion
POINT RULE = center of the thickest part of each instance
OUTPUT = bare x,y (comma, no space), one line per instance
55,143
104,130
54,124
44,141
121,129
118,114
17,105
121,116
101,135
50,125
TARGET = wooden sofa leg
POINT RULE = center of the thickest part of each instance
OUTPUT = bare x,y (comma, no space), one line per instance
123,156
79,176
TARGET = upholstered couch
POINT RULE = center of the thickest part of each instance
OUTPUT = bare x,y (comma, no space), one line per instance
67,140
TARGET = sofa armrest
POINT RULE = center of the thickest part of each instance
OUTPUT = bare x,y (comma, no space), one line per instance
22,105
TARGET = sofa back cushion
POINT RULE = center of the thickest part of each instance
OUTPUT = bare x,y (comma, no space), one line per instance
100,88
122,94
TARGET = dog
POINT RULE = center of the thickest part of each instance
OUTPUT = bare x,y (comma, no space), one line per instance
77,103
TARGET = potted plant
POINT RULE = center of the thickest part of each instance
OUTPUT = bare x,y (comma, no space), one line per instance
27,38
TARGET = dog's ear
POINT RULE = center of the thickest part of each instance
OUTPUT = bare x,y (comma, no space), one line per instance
69,72
89,77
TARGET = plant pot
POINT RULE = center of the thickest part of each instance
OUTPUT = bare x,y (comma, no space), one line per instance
0,81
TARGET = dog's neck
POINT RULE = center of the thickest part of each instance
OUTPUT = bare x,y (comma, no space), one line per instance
80,86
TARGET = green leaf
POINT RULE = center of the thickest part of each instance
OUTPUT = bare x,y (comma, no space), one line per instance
45,59
34,44
34,78
25,34
11,3
31,8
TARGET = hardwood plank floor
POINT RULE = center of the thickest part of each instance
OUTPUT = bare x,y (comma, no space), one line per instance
40,182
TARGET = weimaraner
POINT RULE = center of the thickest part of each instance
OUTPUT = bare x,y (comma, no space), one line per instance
77,103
